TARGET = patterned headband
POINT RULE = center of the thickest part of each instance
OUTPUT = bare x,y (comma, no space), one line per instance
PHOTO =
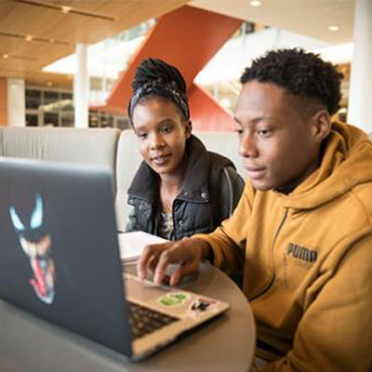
166,90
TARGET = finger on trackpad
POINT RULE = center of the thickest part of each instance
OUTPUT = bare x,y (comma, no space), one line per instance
185,279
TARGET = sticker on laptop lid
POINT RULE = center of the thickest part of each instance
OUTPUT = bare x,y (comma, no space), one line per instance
36,242
173,299
201,304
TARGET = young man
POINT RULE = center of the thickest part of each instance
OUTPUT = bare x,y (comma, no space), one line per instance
302,231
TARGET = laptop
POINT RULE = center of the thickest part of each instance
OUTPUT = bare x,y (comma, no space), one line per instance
60,260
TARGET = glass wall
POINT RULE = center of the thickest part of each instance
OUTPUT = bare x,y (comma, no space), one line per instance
49,107
53,107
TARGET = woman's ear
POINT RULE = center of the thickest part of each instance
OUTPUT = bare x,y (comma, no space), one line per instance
322,124
188,129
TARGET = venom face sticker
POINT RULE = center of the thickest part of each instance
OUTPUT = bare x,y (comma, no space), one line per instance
36,244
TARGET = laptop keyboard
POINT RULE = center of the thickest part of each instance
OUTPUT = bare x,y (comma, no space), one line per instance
143,320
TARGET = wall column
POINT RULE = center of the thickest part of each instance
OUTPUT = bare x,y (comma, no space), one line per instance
360,93
16,102
81,87
3,101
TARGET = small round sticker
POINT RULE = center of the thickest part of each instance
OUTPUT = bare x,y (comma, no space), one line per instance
173,299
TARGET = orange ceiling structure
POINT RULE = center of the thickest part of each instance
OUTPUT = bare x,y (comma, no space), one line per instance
187,38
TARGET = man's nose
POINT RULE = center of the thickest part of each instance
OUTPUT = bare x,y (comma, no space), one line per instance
248,146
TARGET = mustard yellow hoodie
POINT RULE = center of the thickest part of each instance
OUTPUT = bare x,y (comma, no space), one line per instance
307,260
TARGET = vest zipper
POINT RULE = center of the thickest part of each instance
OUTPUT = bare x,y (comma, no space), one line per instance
268,286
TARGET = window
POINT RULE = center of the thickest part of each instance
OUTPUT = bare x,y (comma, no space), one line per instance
33,99
56,108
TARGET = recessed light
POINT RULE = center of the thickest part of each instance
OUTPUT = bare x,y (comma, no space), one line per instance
255,3
333,28
5,56
49,84
66,9
32,38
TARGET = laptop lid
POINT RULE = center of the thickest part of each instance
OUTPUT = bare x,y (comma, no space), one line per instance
59,250
60,259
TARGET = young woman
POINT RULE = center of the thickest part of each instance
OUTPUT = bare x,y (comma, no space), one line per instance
180,188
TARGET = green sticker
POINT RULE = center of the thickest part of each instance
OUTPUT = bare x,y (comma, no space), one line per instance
173,299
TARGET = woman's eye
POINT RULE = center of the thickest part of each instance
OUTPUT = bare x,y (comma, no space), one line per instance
142,135
239,131
166,129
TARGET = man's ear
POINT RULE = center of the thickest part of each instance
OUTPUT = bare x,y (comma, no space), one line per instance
188,129
321,125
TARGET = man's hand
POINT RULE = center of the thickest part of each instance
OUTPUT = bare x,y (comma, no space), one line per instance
187,252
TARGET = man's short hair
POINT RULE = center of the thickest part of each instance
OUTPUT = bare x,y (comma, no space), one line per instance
301,73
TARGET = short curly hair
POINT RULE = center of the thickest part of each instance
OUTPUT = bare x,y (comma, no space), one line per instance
301,73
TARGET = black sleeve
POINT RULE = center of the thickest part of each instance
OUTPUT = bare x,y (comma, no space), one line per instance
132,221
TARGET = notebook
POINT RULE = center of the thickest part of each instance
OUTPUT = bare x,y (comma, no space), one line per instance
60,260
132,244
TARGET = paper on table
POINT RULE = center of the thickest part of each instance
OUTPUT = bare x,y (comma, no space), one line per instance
131,244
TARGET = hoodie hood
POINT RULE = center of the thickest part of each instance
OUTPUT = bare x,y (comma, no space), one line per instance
346,163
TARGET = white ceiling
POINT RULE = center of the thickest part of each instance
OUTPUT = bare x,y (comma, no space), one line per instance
307,17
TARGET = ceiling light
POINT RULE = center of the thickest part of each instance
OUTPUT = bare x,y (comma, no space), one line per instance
65,9
255,3
15,56
32,38
49,84
333,28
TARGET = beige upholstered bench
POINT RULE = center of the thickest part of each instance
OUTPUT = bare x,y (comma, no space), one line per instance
106,146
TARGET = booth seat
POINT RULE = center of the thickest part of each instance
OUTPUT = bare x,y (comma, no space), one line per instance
112,147
97,146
